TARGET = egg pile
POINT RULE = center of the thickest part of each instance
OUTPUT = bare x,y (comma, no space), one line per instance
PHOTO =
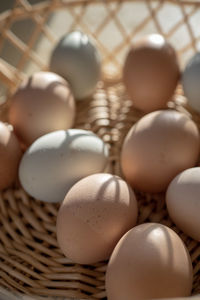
97,218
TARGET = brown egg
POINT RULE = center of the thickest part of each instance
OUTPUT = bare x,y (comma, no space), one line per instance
96,212
151,73
195,297
183,202
158,147
150,261
43,103
10,154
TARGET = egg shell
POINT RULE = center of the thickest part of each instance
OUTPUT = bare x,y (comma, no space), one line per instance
150,261
151,72
183,202
10,154
191,81
94,215
194,297
56,161
76,58
43,103
158,147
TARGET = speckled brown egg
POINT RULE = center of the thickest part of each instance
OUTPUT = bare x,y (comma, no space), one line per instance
150,261
94,215
151,72
10,154
43,103
158,147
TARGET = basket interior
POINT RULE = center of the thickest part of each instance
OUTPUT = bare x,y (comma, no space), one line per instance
30,261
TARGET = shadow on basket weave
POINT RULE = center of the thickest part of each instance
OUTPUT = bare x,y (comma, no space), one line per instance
31,262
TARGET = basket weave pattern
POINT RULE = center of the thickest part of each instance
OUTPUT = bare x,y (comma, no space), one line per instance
30,261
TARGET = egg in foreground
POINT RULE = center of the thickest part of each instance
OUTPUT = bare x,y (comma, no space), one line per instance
94,215
150,261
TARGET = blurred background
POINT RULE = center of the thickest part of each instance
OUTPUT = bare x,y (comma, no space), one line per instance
126,20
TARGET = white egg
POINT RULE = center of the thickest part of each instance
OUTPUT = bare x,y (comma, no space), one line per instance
191,82
57,160
76,59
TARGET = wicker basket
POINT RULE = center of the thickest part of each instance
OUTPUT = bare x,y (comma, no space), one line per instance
30,261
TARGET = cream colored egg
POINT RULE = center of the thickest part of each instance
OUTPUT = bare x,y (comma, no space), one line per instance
183,202
55,161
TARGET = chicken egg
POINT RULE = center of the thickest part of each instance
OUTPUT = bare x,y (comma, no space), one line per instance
94,215
10,154
42,103
151,73
57,160
183,202
76,58
150,261
191,81
158,147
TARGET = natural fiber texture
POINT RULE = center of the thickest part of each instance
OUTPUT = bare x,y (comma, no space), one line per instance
30,261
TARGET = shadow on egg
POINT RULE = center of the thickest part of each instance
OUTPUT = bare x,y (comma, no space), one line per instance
150,261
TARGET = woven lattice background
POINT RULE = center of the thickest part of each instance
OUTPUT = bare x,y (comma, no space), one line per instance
30,260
